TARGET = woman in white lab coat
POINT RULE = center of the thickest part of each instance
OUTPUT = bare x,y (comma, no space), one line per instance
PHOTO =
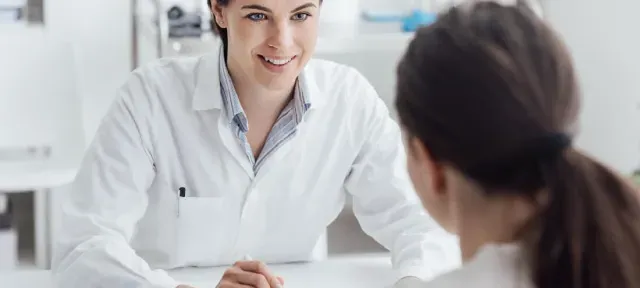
488,99
247,150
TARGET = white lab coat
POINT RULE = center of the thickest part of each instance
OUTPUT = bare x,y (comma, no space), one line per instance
493,266
167,129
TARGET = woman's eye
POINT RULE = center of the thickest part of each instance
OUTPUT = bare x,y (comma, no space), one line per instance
257,16
301,16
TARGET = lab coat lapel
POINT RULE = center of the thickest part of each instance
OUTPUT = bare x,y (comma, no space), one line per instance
207,96
276,158
294,147
230,141
310,88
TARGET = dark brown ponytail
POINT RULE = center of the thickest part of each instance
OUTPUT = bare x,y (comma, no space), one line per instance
589,231
491,90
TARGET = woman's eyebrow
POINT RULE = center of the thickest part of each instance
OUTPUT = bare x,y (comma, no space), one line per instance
304,6
257,7
265,9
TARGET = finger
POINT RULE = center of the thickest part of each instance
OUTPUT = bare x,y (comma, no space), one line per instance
251,266
281,280
229,279
260,268
252,279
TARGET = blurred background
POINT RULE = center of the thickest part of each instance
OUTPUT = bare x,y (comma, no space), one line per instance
61,61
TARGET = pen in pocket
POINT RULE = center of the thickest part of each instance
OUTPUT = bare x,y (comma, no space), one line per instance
182,192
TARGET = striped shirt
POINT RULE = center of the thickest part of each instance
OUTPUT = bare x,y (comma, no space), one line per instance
283,129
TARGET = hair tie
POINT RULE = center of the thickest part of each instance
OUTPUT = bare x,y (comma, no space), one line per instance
552,144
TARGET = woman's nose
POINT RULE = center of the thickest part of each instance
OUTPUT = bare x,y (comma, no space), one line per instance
282,37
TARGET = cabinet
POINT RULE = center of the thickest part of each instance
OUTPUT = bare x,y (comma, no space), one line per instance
28,186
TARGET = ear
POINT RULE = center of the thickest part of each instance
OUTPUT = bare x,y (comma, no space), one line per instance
435,170
217,11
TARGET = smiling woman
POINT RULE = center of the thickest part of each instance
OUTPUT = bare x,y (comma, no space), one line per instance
192,165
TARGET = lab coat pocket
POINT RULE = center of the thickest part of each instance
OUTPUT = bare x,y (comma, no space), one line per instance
200,230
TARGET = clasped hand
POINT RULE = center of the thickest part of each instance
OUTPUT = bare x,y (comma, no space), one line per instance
248,274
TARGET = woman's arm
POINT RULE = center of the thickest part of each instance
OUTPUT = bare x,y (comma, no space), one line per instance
108,198
384,200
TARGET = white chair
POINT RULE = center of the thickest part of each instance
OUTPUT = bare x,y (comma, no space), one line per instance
41,137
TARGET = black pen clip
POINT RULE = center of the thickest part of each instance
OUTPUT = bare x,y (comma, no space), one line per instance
183,192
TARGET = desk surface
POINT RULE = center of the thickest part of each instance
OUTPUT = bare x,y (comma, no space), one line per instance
344,272
33,176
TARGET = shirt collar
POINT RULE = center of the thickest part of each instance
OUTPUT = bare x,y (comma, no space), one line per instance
228,91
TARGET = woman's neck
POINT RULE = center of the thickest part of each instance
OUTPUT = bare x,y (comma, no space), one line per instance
255,98
497,220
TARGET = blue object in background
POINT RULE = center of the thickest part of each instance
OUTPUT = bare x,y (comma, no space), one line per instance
417,19
410,23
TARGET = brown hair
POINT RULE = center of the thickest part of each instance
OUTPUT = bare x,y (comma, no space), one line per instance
491,90
222,32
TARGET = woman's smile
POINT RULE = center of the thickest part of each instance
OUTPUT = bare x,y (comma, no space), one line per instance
276,64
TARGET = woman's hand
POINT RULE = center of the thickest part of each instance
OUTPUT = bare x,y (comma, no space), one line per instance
245,274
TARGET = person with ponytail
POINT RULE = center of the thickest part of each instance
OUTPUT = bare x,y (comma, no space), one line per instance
488,99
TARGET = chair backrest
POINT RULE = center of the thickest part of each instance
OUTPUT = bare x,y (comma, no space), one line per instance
39,105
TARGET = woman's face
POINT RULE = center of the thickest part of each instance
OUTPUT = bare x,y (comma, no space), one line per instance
270,41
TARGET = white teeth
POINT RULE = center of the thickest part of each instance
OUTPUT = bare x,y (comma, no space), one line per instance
278,62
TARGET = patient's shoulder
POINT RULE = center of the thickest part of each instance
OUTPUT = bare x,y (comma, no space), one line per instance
495,266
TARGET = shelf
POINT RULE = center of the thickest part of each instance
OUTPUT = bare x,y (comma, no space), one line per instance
361,36
364,43
27,176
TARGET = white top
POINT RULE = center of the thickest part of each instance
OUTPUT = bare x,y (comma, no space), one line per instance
167,130
494,266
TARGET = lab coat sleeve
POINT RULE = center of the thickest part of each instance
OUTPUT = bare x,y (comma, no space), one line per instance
106,201
384,201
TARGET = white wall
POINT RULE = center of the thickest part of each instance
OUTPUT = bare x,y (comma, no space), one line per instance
604,37
100,33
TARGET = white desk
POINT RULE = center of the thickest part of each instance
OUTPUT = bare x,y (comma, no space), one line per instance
33,176
345,272
38,177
